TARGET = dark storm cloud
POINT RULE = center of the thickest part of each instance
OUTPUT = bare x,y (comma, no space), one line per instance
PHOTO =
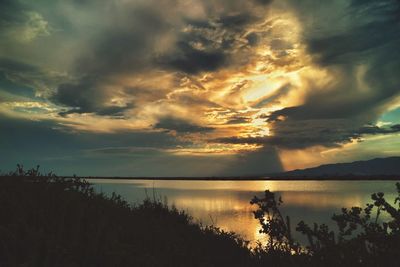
10,65
237,20
372,129
125,45
238,120
82,97
22,79
303,134
264,2
373,34
86,97
180,126
113,111
190,99
252,38
199,23
10,87
313,111
216,49
336,113
19,23
356,43
192,61
11,13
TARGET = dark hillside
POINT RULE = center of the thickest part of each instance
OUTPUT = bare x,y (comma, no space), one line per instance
375,167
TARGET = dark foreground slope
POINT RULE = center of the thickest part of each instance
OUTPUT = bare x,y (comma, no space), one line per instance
59,222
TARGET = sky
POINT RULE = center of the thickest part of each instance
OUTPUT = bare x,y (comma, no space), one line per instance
197,88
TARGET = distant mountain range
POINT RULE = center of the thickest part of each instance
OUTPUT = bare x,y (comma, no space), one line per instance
374,167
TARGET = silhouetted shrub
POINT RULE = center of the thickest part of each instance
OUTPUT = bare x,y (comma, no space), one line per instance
363,239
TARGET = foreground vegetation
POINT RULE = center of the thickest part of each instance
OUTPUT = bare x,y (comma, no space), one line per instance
365,237
52,221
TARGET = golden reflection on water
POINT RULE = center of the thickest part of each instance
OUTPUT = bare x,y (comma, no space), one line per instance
226,203
225,185
322,200
228,213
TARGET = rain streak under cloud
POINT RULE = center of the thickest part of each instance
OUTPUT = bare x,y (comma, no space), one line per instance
197,88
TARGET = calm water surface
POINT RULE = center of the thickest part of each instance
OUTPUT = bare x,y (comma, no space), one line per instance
226,203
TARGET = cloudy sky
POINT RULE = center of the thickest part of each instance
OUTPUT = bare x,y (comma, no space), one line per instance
197,88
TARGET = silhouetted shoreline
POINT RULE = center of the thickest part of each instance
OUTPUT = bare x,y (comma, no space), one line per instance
344,178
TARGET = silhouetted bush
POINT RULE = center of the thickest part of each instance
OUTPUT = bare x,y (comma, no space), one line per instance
363,239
